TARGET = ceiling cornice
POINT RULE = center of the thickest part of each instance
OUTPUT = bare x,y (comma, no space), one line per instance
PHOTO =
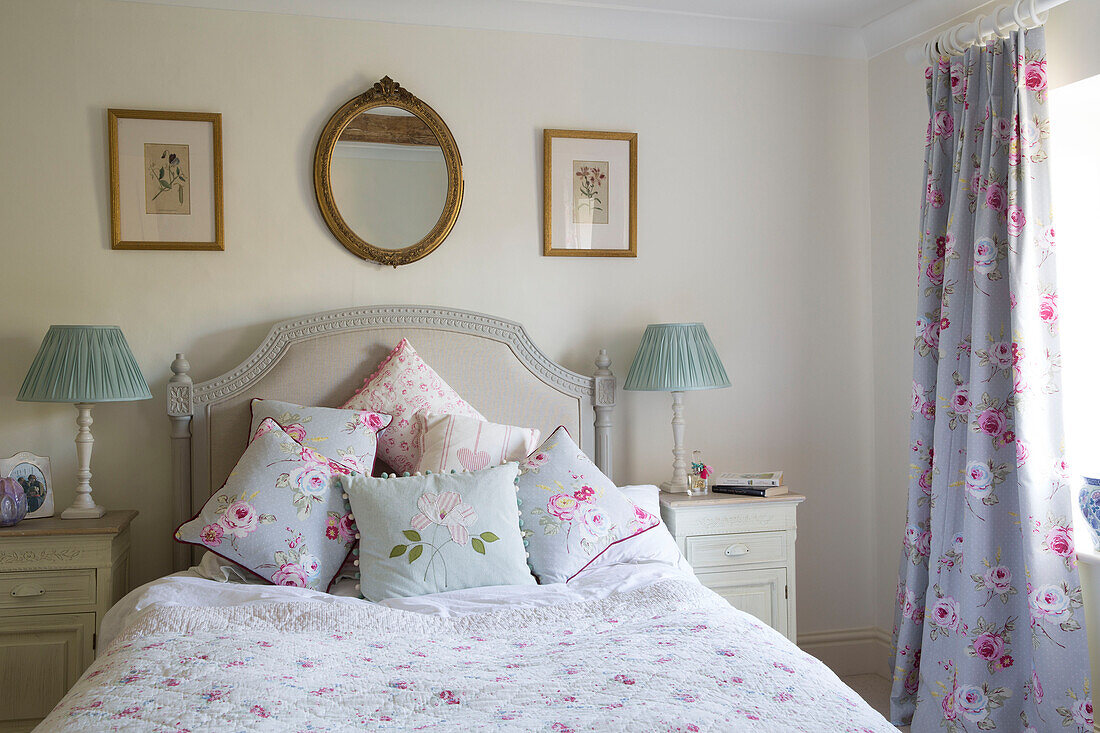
657,24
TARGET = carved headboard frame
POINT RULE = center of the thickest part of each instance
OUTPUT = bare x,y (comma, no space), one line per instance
189,403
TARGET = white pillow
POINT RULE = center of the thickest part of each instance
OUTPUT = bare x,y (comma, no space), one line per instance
656,545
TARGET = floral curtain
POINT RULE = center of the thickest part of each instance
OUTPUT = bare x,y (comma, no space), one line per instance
988,632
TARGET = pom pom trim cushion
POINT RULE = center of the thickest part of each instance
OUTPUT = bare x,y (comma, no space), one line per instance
435,533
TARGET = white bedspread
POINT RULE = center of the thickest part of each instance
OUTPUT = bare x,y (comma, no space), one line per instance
658,652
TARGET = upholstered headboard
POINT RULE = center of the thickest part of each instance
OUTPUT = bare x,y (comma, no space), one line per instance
323,358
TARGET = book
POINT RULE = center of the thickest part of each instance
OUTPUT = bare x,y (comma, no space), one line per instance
770,478
761,491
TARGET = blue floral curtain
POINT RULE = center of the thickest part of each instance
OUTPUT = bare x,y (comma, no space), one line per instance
989,631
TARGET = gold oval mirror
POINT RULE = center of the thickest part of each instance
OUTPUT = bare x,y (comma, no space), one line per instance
388,176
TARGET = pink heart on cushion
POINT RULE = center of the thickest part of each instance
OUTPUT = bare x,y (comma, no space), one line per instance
473,460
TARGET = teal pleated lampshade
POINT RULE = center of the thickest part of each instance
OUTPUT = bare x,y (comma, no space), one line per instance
84,364
676,357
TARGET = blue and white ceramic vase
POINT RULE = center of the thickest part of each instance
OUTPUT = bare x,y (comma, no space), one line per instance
1089,499
13,502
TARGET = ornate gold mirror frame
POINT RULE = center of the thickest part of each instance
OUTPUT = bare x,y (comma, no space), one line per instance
387,93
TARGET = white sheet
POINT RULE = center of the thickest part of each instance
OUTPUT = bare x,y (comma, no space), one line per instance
216,583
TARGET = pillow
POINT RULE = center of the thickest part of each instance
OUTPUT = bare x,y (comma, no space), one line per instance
347,436
570,512
656,545
280,514
440,532
402,386
457,443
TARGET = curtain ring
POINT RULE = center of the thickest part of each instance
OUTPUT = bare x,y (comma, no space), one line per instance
981,38
928,53
999,29
960,50
1035,16
1016,8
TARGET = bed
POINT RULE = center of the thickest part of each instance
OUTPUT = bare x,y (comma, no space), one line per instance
633,643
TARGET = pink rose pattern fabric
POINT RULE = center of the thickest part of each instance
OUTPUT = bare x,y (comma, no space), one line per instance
989,628
570,511
402,386
669,657
280,514
346,436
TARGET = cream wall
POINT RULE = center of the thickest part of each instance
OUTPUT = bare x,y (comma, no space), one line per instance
898,118
753,189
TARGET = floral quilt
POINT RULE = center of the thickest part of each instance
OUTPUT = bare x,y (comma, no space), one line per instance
671,656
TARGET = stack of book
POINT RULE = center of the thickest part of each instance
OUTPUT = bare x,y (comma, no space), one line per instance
750,484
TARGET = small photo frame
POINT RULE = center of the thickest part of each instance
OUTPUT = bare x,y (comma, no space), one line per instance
33,474
590,196
166,179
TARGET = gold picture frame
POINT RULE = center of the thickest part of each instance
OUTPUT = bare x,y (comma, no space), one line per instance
586,211
166,180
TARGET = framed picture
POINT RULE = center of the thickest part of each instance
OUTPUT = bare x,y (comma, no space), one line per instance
166,179
33,474
590,196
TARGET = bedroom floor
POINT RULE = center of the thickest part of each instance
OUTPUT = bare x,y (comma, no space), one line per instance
875,689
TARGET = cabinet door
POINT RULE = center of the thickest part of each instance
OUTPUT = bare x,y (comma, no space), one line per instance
759,592
41,657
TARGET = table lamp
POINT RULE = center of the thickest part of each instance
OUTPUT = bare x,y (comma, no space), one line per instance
676,357
84,365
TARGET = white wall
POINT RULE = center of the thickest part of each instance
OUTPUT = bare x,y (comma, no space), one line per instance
753,190
898,117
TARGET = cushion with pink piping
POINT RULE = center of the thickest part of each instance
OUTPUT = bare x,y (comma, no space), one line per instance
347,436
402,386
281,513
570,511
458,443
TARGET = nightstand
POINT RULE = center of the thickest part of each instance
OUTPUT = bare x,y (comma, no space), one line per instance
57,579
742,548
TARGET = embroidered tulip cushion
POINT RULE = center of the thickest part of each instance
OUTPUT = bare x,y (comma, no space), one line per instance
403,385
439,532
347,436
457,443
570,512
280,514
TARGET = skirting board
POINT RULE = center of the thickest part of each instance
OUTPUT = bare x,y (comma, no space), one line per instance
850,651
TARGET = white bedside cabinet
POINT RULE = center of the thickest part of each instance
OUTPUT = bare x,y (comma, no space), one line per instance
741,548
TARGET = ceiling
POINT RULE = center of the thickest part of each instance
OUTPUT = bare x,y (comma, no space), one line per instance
842,28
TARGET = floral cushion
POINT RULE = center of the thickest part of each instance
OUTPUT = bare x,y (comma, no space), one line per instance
440,532
458,443
347,436
280,514
403,385
570,512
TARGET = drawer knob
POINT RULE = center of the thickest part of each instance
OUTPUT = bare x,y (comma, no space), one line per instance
26,590
737,550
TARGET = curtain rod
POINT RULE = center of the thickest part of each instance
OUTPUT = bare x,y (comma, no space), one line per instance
955,41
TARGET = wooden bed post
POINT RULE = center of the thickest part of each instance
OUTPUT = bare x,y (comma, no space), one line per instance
603,402
180,410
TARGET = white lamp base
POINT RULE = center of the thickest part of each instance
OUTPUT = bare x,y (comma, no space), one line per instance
83,507
679,482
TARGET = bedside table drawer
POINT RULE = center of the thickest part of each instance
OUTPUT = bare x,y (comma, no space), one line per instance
47,588
732,550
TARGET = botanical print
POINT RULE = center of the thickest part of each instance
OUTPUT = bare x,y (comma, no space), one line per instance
988,631
443,510
167,179
296,565
590,191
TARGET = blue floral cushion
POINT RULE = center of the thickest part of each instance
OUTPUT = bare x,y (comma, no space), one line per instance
280,514
570,511
439,532
347,436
